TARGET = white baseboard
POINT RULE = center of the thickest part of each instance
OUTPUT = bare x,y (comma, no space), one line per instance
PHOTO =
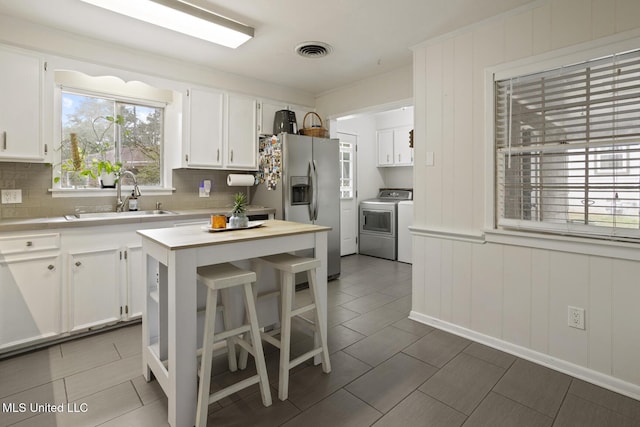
607,381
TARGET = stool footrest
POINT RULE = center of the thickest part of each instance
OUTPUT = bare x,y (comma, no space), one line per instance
271,340
299,311
247,346
269,295
231,333
227,391
308,355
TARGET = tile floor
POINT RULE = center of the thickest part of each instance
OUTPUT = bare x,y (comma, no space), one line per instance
387,371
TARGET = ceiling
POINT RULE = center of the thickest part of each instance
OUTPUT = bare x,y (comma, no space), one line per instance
368,37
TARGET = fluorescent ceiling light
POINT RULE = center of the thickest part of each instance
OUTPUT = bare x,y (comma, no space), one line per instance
182,17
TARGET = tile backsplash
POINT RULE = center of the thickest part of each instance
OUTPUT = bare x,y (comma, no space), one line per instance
34,179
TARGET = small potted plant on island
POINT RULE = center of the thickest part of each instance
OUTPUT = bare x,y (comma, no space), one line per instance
239,217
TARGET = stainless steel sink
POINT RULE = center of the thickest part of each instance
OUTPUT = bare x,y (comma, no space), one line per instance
111,215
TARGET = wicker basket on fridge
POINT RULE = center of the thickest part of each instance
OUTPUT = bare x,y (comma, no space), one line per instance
314,130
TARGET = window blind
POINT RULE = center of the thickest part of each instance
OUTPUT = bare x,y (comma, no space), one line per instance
567,147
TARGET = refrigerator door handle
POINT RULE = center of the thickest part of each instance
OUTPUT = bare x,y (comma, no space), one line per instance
311,177
315,191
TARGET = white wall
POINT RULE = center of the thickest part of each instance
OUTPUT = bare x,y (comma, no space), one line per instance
508,291
385,89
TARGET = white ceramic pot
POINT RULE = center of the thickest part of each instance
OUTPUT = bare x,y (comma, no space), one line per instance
107,180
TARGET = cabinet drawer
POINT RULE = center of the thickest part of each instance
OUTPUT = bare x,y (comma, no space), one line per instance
29,243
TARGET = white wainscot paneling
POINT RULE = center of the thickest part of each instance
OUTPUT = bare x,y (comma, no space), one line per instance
446,279
433,277
568,286
626,327
486,285
598,316
516,314
461,292
540,300
418,273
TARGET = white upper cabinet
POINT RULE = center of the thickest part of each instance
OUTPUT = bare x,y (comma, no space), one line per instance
402,151
204,129
385,147
220,131
20,106
241,136
267,111
394,148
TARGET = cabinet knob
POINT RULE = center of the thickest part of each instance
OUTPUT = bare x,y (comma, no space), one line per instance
29,243
218,155
231,158
78,263
51,267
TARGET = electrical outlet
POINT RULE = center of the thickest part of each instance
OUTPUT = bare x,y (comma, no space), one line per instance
576,317
11,196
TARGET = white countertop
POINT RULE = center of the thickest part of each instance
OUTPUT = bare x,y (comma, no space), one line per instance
33,224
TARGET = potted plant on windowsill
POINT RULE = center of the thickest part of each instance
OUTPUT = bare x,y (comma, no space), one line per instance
100,167
239,217
107,173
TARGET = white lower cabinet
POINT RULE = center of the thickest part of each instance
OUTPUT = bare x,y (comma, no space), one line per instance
30,299
94,288
133,286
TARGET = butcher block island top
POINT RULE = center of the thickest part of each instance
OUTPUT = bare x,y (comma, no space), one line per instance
194,236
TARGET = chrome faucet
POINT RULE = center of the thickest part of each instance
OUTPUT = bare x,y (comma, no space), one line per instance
136,191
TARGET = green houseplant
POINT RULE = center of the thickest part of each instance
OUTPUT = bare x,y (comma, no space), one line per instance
239,217
81,149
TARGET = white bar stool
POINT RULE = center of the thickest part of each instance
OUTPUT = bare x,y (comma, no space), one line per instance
222,277
288,265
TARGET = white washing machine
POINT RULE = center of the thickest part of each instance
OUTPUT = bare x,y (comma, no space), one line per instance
405,219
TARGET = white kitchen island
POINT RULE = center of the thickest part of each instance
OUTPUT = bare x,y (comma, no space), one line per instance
169,321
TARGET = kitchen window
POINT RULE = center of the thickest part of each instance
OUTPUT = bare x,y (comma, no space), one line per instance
346,168
567,149
104,119
98,129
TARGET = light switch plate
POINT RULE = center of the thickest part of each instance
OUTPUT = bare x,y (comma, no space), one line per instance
11,196
429,159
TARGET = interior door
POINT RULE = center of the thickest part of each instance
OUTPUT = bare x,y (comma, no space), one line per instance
348,199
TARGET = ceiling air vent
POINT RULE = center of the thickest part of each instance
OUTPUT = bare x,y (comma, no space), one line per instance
313,49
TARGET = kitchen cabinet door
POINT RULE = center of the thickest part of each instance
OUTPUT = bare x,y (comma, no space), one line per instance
20,107
402,152
267,113
241,136
204,129
135,286
94,288
30,299
385,147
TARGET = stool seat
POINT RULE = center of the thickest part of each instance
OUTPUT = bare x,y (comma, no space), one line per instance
222,277
291,263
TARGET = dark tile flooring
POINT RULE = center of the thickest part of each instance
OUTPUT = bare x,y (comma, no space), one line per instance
387,371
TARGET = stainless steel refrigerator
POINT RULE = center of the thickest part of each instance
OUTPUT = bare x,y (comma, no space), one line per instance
309,189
